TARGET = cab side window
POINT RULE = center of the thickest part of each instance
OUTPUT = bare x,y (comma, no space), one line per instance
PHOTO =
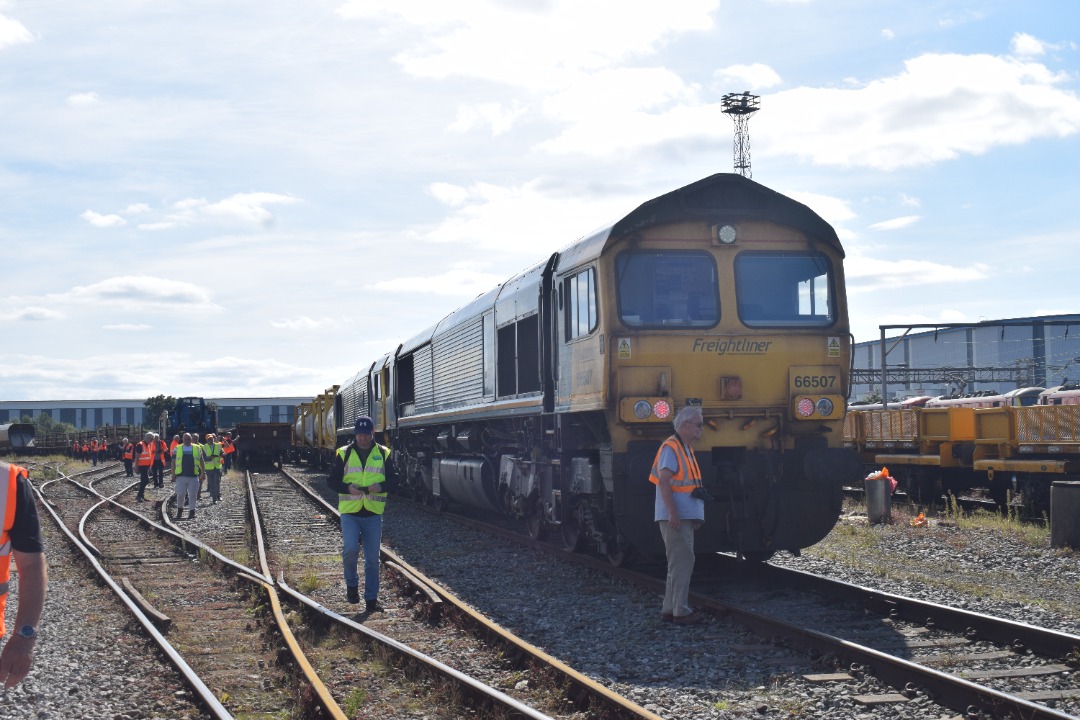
579,304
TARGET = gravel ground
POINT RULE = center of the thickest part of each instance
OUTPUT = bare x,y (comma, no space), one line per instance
92,664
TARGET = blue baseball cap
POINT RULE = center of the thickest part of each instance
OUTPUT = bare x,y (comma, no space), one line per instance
364,425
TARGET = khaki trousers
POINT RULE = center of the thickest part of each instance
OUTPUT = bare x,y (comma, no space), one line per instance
680,566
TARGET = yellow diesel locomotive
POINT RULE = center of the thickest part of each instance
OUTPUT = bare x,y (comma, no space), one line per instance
547,397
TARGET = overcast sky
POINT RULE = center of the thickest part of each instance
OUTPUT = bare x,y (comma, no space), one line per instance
237,198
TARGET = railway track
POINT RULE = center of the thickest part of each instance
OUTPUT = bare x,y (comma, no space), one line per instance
885,649
202,603
977,664
211,607
304,550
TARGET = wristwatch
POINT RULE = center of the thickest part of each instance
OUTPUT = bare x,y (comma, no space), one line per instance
28,631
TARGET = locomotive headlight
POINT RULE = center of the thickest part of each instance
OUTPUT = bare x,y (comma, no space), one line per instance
662,408
824,407
726,234
642,409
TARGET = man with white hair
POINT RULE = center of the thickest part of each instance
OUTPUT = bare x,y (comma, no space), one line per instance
676,475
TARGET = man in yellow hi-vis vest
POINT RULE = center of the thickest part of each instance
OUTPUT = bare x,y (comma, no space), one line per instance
361,474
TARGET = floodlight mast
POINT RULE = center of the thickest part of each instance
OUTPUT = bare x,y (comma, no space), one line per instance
740,106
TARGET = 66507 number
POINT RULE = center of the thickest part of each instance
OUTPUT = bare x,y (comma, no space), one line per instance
815,381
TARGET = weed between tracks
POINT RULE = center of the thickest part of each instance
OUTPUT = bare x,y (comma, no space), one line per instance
895,551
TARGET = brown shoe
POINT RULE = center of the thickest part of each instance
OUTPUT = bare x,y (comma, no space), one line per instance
666,617
692,619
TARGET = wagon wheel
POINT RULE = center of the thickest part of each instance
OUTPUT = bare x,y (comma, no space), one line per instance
534,521
572,533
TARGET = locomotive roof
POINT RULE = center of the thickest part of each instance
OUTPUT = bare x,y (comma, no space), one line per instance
724,197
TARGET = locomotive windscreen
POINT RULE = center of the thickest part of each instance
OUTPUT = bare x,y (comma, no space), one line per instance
667,288
784,289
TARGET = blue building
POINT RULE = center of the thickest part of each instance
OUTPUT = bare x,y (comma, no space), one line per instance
92,414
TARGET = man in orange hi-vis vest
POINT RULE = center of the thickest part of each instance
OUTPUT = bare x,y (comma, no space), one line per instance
679,511
20,540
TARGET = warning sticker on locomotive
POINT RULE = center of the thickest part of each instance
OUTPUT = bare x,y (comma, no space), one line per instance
834,347
624,348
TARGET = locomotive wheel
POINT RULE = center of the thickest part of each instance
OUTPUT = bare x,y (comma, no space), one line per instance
619,552
534,521
571,531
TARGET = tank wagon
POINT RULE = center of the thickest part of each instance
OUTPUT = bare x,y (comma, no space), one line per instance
547,397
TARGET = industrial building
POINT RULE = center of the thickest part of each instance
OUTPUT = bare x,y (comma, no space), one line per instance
953,358
92,414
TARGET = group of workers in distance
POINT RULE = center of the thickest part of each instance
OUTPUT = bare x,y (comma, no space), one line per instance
151,455
91,450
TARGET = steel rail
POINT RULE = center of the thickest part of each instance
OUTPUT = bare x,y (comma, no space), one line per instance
206,697
495,696
1001,630
949,690
246,573
478,688
579,680
326,700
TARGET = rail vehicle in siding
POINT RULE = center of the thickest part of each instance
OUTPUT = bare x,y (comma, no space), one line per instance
193,415
16,437
1020,397
1013,445
547,397
261,444
1060,395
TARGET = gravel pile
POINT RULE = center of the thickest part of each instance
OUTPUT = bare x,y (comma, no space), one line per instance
92,664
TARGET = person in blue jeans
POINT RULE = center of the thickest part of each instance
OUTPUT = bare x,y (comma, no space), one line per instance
361,474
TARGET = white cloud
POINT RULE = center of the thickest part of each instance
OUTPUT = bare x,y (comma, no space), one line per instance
1025,45
128,327
306,323
537,45
752,77
887,34
102,221
940,107
896,223
834,210
137,208
909,201
490,216
30,314
499,117
463,280
868,274
83,99
13,32
142,292
248,207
